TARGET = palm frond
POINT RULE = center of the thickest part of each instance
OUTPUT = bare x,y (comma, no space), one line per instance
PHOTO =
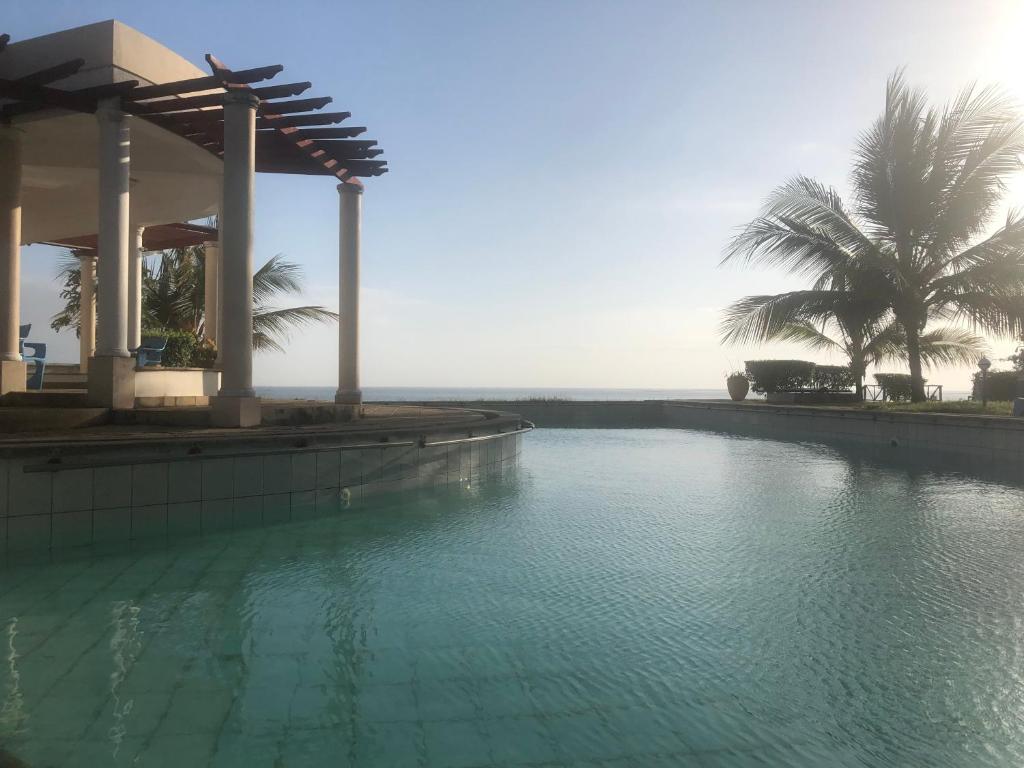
810,336
271,326
275,278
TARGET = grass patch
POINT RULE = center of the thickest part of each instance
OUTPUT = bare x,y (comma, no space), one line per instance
971,407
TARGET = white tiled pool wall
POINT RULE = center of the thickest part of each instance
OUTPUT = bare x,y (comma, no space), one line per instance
194,495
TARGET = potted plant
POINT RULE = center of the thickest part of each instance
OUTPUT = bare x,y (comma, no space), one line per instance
738,385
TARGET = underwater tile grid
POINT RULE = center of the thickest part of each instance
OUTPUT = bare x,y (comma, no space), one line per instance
647,598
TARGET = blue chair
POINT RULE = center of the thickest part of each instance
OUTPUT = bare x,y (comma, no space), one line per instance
150,351
23,331
38,356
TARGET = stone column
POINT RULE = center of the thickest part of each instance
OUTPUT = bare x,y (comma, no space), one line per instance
86,311
12,368
135,289
211,269
111,371
350,217
236,404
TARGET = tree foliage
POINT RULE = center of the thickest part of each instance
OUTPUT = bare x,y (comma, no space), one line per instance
926,183
173,296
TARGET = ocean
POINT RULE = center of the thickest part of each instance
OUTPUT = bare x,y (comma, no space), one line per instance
391,394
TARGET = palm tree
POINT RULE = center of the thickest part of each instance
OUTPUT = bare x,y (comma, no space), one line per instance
846,317
173,296
925,185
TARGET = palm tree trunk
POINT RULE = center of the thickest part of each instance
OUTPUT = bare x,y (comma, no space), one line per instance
914,359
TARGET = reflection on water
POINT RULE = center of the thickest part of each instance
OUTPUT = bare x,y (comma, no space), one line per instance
655,597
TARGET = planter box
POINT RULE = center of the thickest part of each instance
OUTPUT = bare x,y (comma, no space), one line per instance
175,386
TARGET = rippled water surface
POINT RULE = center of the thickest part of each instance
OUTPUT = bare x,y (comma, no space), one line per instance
662,598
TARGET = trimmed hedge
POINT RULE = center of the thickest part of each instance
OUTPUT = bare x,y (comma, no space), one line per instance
834,378
181,347
896,386
1000,385
779,375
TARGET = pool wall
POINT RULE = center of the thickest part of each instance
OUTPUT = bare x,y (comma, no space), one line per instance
128,492
974,440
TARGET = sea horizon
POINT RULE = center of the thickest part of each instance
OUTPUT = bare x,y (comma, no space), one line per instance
414,394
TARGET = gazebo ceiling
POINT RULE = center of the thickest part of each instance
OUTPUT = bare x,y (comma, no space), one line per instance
292,134
158,237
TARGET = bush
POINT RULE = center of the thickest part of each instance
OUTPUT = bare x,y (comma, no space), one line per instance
181,347
205,355
1000,385
896,385
779,375
834,378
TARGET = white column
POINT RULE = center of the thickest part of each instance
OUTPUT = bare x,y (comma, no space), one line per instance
115,146
350,223
86,311
135,289
211,268
10,243
236,246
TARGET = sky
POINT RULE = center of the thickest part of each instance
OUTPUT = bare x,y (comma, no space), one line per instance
564,175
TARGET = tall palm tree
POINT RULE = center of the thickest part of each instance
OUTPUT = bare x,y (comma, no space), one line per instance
925,186
173,296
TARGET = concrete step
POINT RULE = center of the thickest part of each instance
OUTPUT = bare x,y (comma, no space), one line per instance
63,376
28,419
164,417
47,398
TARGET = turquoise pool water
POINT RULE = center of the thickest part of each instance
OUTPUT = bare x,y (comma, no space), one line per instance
628,598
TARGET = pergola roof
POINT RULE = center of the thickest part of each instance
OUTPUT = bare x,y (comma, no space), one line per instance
157,237
292,135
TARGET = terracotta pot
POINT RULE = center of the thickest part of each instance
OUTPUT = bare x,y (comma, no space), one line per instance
738,387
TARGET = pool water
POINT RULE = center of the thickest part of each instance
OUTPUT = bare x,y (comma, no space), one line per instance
626,598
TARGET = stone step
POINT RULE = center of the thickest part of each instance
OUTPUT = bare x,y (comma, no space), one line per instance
29,419
164,417
47,398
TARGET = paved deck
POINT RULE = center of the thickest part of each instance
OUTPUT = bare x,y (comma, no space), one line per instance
177,425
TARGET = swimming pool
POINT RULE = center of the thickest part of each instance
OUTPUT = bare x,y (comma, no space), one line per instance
633,597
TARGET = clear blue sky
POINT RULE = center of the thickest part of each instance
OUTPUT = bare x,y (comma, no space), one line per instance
564,174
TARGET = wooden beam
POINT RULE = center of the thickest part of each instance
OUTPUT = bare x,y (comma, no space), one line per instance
350,154
52,74
215,99
364,144
365,167
192,85
293,106
329,133
280,91
297,121
45,96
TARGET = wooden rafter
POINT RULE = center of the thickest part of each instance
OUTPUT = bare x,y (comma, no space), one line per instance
54,73
329,133
293,106
195,84
299,121
292,135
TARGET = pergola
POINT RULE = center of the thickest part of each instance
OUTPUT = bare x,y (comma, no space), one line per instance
247,124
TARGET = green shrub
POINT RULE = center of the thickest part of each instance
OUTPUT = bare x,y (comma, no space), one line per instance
181,347
779,375
834,378
896,386
205,355
999,385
